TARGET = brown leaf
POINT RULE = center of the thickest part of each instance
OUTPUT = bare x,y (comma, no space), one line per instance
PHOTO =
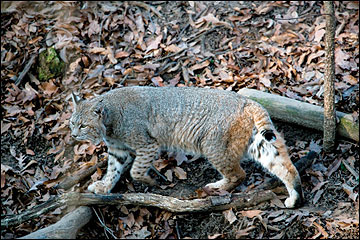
251,213
4,127
121,54
350,79
180,173
168,175
94,28
240,18
158,81
341,57
333,167
321,229
229,215
244,232
210,18
98,50
30,152
350,191
215,236
200,65
173,48
139,23
319,35
49,87
154,44
317,196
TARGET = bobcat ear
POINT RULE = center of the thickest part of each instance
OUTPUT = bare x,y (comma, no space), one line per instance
102,112
76,99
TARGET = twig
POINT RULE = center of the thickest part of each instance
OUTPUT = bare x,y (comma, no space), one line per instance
147,7
158,173
106,228
352,170
307,15
26,69
70,181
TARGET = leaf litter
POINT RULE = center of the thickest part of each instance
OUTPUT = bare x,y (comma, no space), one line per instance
268,46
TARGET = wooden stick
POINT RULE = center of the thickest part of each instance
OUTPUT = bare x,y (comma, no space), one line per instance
26,69
70,181
171,204
66,228
301,113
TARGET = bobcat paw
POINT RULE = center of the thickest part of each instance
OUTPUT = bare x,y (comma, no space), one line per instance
294,201
99,187
221,184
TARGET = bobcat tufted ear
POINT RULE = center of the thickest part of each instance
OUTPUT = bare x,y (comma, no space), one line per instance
76,99
102,112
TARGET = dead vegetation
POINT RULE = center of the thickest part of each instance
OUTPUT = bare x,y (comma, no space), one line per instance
276,47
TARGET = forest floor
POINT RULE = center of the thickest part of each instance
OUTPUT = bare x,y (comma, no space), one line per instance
227,45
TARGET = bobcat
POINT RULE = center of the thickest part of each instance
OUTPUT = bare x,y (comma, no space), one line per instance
220,125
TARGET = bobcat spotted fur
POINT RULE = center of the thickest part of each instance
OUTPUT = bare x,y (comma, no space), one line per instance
220,125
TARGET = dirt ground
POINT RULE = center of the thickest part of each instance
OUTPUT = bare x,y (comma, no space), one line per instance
330,209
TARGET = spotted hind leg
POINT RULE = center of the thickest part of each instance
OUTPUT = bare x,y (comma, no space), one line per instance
144,157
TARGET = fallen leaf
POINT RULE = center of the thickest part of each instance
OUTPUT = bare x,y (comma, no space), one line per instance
229,215
29,151
315,147
180,173
251,213
244,232
158,81
173,48
154,44
321,229
121,54
168,174
319,35
333,167
317,196
5,127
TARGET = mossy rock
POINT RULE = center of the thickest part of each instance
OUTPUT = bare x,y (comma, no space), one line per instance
49,65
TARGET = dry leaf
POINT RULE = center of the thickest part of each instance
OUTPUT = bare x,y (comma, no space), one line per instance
229,215
251,213
154,44
319,35
180,173
168,174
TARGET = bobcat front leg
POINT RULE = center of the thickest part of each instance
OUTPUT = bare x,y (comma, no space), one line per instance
118,162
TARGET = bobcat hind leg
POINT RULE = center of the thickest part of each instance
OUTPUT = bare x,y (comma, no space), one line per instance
231,171
142,163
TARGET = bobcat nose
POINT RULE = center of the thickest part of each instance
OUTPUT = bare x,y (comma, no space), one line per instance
74,134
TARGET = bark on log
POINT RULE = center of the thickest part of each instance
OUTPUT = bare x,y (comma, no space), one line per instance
301,113
66,228
70,181
171,204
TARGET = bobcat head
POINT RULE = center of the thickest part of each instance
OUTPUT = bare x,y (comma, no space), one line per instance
87,120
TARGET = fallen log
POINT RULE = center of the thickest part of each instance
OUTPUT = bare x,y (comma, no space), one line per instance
171,204
71,180
66,228
211,203
301,113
